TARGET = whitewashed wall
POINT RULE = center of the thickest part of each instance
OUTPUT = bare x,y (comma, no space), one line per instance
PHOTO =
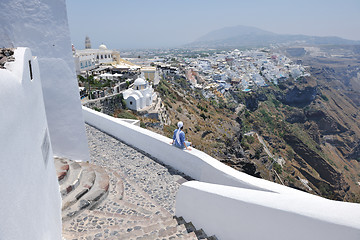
239,206
237,213
43,27
30,203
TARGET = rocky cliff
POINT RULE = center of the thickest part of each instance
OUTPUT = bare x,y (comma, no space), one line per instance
308,128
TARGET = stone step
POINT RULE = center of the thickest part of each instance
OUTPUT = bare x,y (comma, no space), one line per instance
213,237
200,234
119,186
100,189
124,232
161,230
190,227
180,220
142,229
88,197
86,182
189,236
62,168
145,222
86,216
173,232
73,179
90,223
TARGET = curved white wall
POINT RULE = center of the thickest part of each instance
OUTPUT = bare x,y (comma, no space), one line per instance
30,203
43,27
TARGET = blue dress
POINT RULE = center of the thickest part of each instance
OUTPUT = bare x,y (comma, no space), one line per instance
181,139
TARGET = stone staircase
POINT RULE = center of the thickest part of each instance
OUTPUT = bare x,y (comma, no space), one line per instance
102,203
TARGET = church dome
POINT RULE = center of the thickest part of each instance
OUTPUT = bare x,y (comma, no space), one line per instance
139,82
102,47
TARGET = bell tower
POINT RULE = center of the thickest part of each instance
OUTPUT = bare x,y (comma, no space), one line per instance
87,43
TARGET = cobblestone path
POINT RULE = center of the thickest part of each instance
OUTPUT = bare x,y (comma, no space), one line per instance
159,182
140,202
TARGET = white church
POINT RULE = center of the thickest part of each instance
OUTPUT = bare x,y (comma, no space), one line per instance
141,95
90,58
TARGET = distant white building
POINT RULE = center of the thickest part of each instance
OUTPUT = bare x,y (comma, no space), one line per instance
88,59
149,73
140,96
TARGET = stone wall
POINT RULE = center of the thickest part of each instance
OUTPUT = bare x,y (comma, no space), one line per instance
107,104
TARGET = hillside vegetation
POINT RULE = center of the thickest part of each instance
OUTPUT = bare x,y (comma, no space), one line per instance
311,137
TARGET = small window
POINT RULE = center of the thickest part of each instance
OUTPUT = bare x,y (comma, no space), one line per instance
130,102
30,68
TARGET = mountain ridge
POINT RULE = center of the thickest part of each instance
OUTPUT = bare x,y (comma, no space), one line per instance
243,36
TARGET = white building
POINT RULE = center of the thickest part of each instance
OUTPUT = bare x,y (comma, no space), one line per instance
88,59
149,73
140,96
31,202
51,44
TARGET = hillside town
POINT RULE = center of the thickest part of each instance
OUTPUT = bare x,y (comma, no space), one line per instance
212,73
242,70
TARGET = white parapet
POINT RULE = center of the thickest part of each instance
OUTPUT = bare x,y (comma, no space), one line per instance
232,204
236,213
30,202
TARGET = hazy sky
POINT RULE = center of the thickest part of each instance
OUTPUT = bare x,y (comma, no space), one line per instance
167,23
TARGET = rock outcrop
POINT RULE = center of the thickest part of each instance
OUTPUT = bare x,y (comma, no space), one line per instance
6,55
298,97
308,157
355,153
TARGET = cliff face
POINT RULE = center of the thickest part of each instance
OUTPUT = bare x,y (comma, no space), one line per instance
355,153
309,129
329,122
298,97
317,170
313,124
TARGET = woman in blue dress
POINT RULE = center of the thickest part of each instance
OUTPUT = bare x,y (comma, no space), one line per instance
179,138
